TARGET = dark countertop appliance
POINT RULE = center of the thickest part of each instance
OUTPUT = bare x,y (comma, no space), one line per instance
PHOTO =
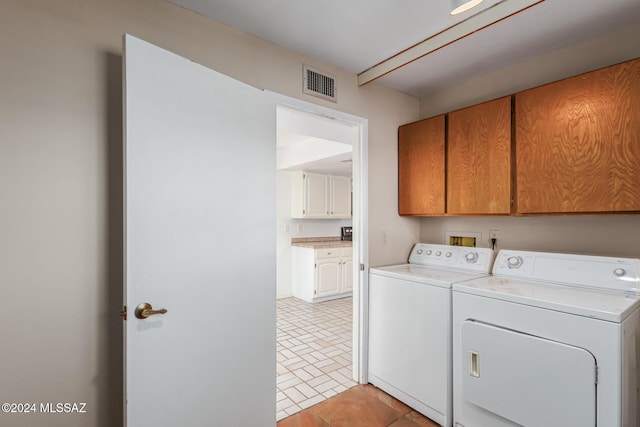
346,233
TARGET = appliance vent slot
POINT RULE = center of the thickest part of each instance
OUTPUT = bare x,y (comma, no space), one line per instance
318,83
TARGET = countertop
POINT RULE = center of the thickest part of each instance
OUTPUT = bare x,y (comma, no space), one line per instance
321,242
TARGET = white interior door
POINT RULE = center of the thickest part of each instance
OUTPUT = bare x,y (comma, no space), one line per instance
200,243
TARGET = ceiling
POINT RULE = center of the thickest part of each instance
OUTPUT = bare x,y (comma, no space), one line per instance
313,143
416,46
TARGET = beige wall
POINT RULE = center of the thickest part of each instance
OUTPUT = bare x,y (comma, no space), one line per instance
598,52
61,185
615,235
593,235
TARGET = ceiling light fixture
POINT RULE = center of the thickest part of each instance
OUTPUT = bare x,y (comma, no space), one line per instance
459,6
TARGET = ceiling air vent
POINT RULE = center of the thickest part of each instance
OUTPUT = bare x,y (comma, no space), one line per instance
318,83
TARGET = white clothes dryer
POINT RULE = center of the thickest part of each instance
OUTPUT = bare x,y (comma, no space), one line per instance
410,325
549,340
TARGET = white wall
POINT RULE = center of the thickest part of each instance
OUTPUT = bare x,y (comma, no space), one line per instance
61,182
289,228
603,235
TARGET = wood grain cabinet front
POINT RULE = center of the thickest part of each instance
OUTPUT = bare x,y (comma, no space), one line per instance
568,147
578,143
421,167
479,159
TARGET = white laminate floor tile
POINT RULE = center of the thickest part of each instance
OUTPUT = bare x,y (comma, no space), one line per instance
314,352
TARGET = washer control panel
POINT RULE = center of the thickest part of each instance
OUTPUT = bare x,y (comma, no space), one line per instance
460,257
600,272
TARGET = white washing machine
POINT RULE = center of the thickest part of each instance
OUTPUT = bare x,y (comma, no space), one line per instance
548,340
410,324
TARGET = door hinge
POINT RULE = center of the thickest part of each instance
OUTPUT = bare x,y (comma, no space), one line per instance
123,313
361,267
595,370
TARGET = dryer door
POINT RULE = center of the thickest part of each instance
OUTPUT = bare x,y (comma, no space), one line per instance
528,380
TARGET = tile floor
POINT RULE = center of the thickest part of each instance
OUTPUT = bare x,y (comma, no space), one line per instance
313,352
360,406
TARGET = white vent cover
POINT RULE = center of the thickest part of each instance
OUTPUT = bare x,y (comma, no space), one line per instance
318,83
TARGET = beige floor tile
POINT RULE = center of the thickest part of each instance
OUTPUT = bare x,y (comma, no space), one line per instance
284,404
289,383
313,340
323,378
307,390
295,395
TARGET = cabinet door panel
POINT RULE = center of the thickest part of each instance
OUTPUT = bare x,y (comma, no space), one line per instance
479,159
327,276
578,145
421,167
316,195
347,275
340,193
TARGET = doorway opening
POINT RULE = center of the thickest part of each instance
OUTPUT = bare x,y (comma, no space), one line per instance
319,340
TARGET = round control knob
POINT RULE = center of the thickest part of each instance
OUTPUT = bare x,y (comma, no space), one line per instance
619,272
419,251
428,251
448,254
438,253
471,257
514,261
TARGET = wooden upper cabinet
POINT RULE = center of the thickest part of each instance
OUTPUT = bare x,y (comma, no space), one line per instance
479,159
421,167
578,143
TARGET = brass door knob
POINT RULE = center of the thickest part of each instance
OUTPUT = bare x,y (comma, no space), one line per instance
145,310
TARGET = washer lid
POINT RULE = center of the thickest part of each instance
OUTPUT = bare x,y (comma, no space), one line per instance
426,275
603,305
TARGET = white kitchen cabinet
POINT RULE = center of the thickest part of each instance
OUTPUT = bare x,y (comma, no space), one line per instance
322,274
316,195
328,276
347,272
339,196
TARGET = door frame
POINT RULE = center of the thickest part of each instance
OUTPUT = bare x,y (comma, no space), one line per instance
360,224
